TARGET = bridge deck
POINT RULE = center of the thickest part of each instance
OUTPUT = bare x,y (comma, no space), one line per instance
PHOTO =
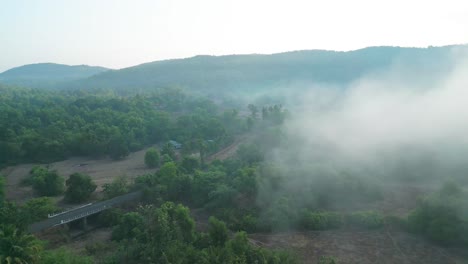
82,212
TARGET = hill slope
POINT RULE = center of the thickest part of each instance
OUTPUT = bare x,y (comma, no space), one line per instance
238,74
42,75
261,73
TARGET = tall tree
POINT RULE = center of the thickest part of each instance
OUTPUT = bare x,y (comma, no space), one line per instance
17,247
253,110
79,188
2,188
152,158
45,182
117,187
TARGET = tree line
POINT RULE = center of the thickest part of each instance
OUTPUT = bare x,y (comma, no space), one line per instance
45,126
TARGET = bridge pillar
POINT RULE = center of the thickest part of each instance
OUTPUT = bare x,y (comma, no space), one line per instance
85,223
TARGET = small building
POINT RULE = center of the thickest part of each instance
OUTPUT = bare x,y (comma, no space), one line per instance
175,144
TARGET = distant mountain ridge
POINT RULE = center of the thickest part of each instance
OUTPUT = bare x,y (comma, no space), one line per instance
264,73
43,75
257,73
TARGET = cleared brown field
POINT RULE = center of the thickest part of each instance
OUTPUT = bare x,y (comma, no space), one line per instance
360,247
101,171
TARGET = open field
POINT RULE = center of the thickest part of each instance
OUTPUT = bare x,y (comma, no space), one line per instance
101,171
360,247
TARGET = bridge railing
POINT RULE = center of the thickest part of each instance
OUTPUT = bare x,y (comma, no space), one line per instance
82,211
64,212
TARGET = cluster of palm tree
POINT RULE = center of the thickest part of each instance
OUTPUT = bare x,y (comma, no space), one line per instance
18,247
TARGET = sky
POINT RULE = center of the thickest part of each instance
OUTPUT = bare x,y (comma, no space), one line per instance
123,33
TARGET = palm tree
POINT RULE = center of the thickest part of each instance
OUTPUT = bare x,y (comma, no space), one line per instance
17,247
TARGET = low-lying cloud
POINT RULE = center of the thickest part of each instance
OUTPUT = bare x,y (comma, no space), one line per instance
388,121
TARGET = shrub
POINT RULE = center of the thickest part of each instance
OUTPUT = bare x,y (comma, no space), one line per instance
118,186
79,188
365,219
97,247
440,216
45,182
152,158
110,217
190,164
321,220
327,260
38,208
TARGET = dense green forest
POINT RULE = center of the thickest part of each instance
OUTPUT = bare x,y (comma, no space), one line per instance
44,126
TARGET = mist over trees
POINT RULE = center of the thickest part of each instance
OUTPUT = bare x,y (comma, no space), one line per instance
330,155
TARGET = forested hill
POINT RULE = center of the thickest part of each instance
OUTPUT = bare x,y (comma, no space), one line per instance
47,75
220,75
259,73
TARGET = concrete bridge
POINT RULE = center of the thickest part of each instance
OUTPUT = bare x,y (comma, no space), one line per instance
82,212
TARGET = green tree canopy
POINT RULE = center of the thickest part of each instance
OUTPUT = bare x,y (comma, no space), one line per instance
79,188
152,158
190,164
168,149
117,187
46,182
39,208
218,232
17,247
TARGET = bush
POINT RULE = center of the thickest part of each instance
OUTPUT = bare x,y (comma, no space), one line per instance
110,217
129,227
79,188
327,260
152,158
45,182
190,164
365,219
321,220
248,223
440,216
38,208
168,150
118,186
63,256
97,247
218,232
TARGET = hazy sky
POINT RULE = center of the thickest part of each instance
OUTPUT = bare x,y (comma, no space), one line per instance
123,33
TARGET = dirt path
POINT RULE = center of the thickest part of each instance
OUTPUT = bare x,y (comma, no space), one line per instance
228,151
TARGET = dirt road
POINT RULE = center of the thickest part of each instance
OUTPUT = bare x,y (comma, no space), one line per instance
228,151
